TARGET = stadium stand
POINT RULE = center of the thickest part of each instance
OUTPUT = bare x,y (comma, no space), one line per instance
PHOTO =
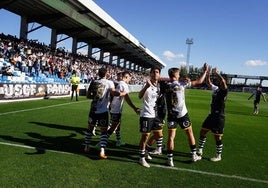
32,62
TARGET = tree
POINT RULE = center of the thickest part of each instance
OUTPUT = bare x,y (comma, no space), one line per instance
183,72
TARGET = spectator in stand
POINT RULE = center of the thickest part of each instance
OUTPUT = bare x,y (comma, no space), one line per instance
7,70
18,60
2,60
36,66
30,64
51,63
24,67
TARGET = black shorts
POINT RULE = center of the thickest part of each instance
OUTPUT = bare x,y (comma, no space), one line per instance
101,120
256,102
115,117
214,123
184,122
74,87
150,124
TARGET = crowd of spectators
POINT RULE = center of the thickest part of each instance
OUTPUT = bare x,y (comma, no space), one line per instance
37,59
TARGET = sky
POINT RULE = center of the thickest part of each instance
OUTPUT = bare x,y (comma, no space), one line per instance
231,35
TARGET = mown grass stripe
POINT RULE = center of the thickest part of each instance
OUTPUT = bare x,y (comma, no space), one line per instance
159,166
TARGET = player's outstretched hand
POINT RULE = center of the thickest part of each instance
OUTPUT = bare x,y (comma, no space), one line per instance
205,67
215,70
137,110
186,80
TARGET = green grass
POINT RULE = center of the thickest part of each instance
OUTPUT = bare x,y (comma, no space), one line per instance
58,126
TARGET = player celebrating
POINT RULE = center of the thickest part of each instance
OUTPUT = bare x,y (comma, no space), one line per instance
99,92
178,113
257,98
216,119
116,106
149,120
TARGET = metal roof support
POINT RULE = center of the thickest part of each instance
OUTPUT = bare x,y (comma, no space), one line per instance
81,46
118,61
88,22
98,51
53,39
89,50
125,63
111,59
36,28
23,27
101,56
74,45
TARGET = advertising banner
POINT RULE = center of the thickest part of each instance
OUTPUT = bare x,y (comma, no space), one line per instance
20,91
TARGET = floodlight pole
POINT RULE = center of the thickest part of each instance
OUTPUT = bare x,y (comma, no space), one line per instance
189,42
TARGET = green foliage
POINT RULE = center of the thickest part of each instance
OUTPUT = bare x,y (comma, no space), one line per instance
183,72
50,134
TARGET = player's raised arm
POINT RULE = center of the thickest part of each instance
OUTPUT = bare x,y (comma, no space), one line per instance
208,80
222,82
202,77
142,91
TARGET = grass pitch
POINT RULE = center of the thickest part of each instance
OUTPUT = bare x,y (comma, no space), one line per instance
41,144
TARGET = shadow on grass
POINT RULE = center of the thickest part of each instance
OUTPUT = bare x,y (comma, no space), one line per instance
61,127
71,144
42,143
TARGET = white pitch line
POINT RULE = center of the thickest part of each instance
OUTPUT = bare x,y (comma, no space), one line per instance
31,109
159,166
35,148
213,174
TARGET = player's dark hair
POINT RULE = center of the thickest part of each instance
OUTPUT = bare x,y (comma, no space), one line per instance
102,72
172,71
153,68
125,73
